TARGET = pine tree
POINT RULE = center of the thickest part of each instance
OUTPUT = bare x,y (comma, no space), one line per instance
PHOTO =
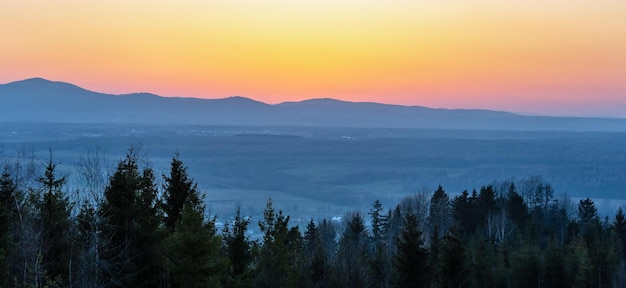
312,239
192,246
379,223
581,265
379,264
528,267
481,261
486,203
440,213
453,260
132,226
411,259
316,270
557,274
149,234
176,189
352,253
4,244
237,248
516,208
276,263
619,227
8,192
192,251
587,211
25,255
465,214
54,212
589,222
328,235
394,226
7,212
91,244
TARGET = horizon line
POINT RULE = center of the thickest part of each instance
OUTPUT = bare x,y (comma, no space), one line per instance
520,113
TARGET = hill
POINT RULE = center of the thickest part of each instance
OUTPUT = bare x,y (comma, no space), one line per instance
40,100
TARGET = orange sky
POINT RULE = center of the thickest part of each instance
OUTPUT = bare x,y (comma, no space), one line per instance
548,57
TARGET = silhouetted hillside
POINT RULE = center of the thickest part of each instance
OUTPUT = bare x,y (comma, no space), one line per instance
40,100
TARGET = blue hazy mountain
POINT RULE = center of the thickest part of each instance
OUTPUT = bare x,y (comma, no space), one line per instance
40,100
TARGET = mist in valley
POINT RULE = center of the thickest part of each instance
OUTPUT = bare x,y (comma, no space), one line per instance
138,190
321,172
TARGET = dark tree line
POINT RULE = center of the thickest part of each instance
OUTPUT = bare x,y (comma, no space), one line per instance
137,233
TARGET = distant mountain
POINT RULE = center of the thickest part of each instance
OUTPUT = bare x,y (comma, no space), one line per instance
40,100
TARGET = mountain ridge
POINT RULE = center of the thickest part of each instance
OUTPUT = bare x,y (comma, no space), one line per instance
42,100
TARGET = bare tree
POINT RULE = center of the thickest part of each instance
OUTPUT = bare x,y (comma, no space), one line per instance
498,225
419,205
93,171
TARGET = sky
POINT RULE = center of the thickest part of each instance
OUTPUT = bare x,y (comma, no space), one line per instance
551,57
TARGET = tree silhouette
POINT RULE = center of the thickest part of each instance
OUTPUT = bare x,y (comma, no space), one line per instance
411,259
177,188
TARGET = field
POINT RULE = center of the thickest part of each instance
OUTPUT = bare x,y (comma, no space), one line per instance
324,172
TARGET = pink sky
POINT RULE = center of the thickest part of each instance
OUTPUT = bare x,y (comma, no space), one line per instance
556,58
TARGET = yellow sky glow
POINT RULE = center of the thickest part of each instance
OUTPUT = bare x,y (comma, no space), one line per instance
559,57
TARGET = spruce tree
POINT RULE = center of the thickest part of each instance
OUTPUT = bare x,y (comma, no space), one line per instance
237,248
7,205
517,209
192,251
192,246
90,245
486,203
328,233
54,213
464,213
528,266
177,188
587,211
132,226
379,263
353,253
619,228
149,234
316,267
4,244
276,259
411,259
453,260
440,213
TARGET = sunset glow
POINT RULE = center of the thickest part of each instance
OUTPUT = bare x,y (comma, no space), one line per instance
546,57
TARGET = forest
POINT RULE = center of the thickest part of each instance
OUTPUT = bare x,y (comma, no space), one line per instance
131,231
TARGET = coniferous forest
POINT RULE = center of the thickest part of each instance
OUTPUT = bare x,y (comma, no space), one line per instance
139,229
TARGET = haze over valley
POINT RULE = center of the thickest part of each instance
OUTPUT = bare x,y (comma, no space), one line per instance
310,144
319,157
